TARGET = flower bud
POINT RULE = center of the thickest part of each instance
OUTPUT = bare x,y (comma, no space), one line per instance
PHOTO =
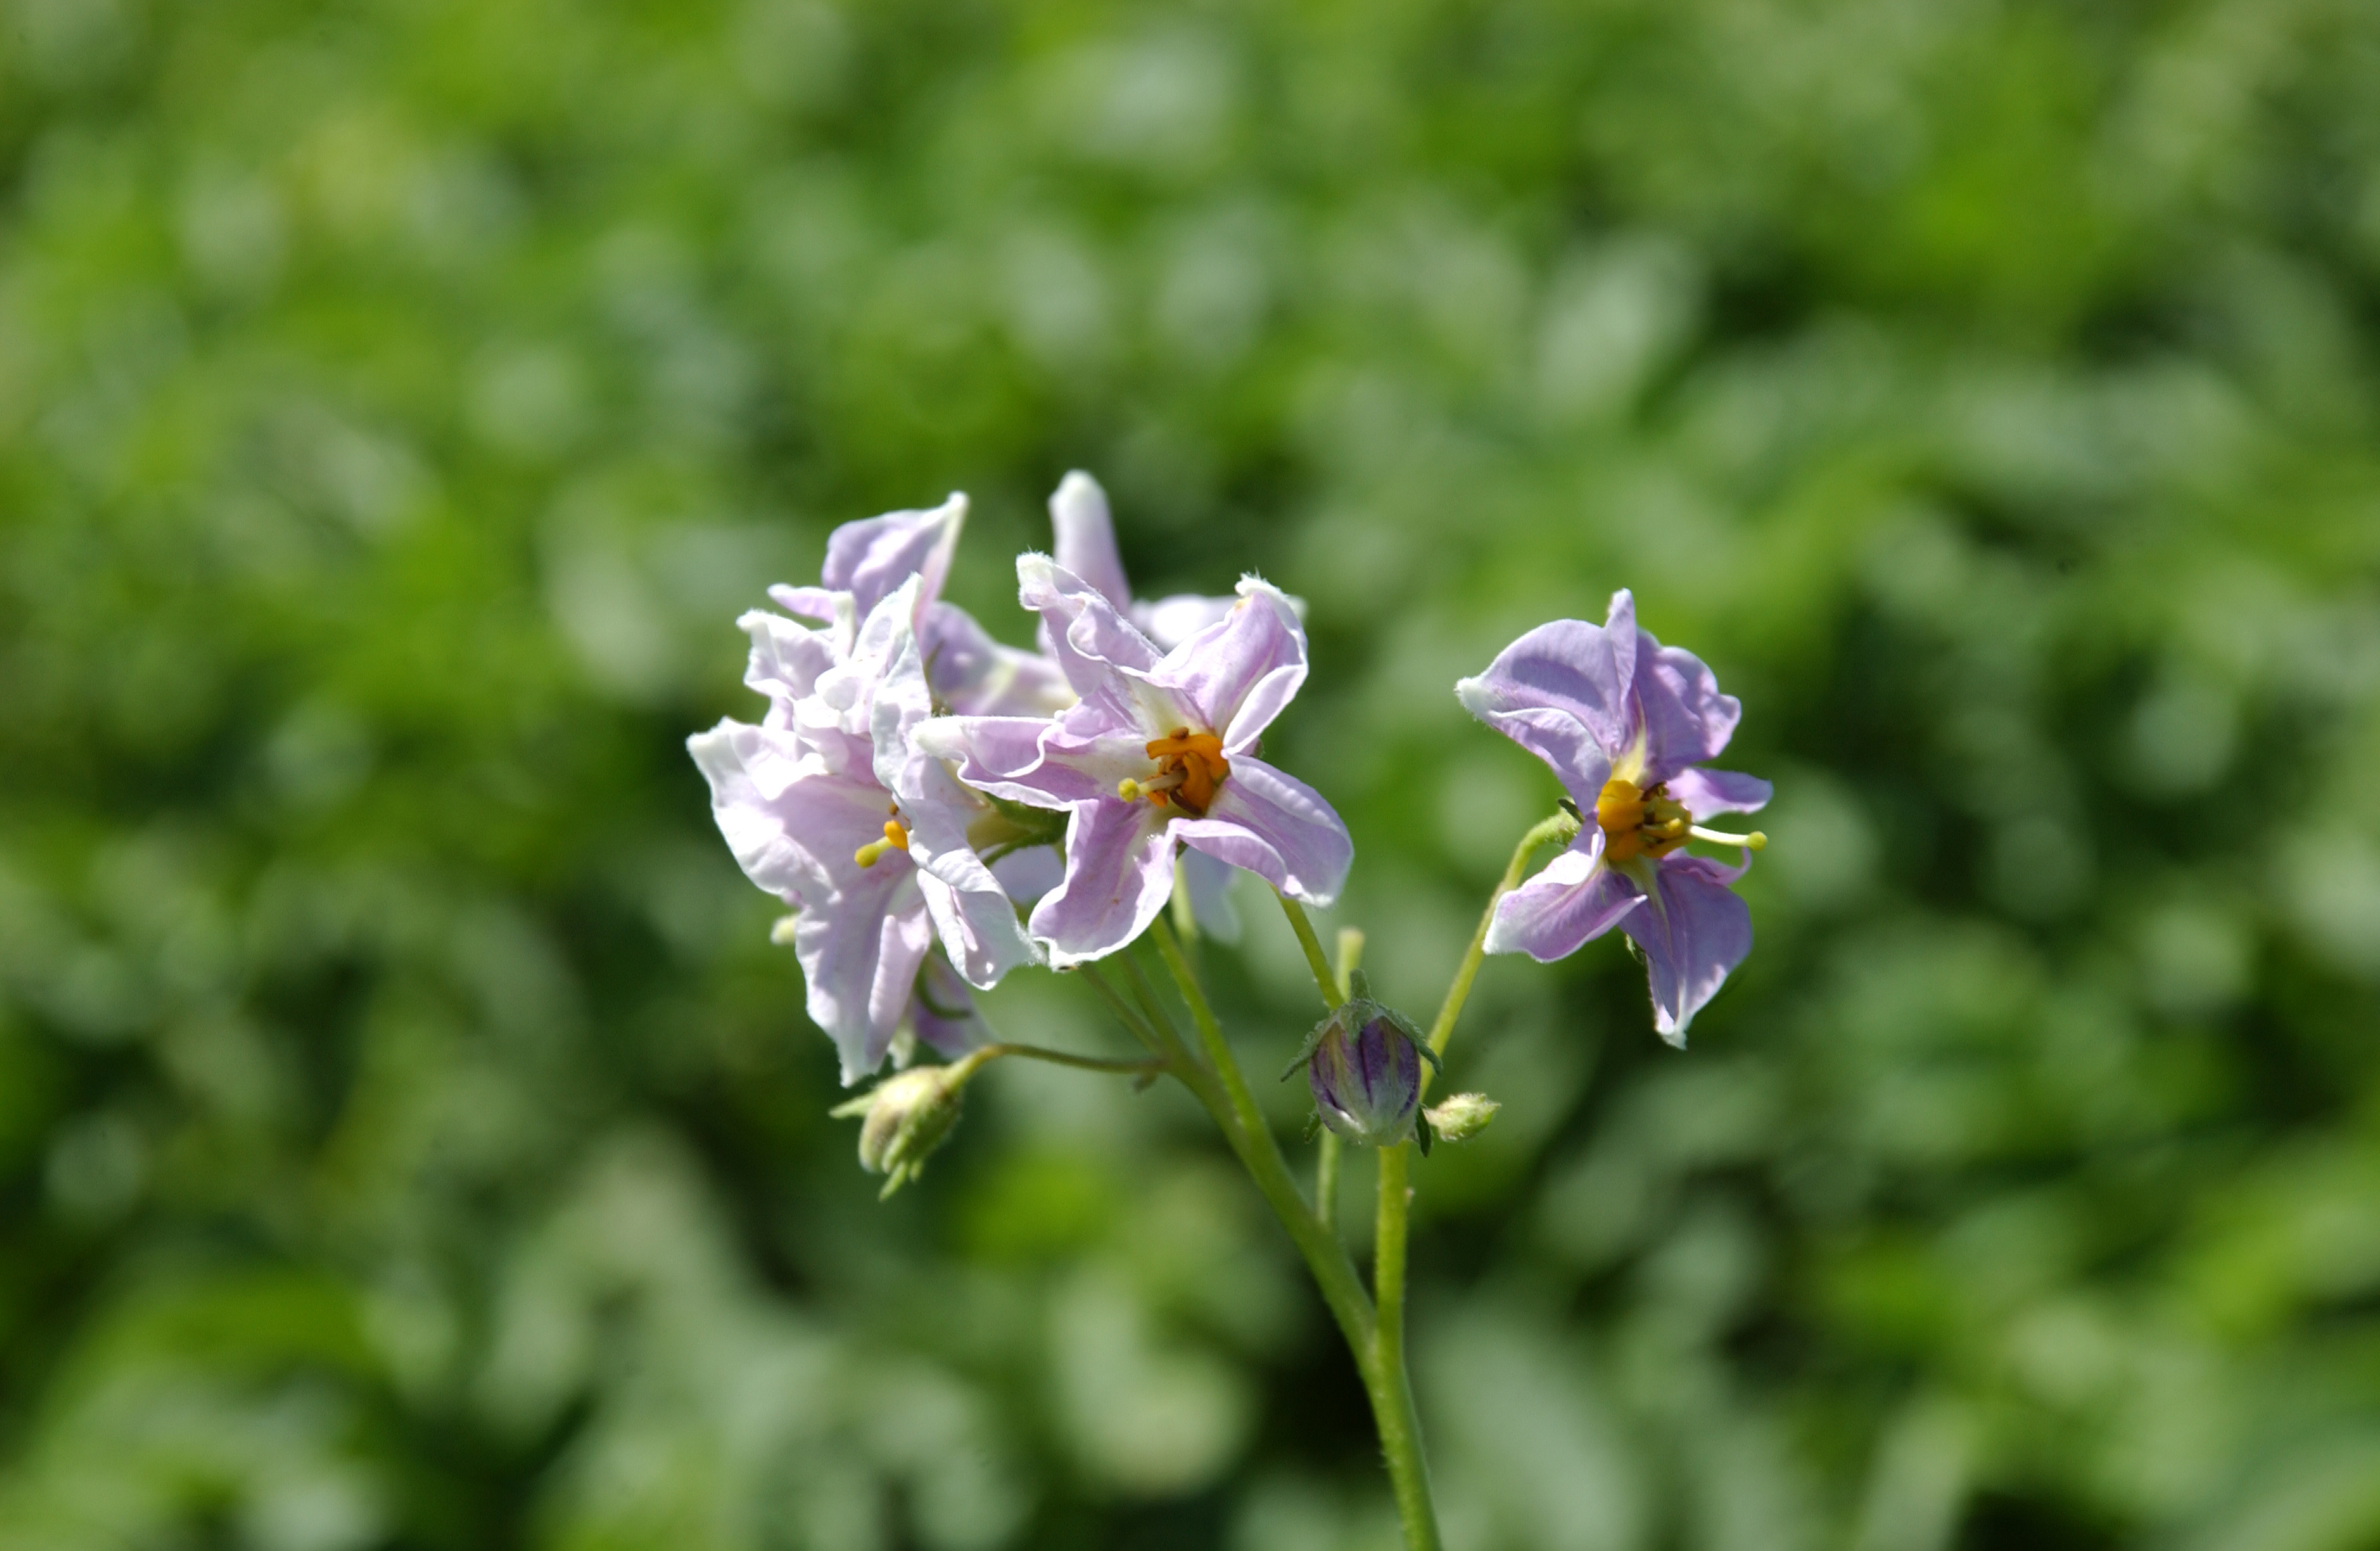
905,1118
1461,1116
1367,1082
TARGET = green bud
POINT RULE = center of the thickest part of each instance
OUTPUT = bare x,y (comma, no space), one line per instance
905,1118
1461,1116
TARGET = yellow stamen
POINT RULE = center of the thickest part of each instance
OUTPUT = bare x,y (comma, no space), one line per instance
896,838
1191,766
1154,788
1638,822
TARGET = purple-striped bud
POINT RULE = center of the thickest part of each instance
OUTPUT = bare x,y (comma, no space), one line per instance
1367,1083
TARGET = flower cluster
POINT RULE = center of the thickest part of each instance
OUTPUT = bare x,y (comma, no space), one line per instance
915,787
938,808
915,783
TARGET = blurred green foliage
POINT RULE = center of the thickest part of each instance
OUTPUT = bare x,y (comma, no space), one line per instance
409,1138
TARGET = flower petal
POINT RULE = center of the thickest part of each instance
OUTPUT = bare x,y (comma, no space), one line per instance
1119,874
823,604
1693,930
974,917
1708,791
941,1012
1030,873
1276,827
860,960
869,558
1087,636
1575,900
1561,692
975,675
1686,720
837,717
972,913
1173,619
786,660
1084,536
1236,676
1005,755
793,823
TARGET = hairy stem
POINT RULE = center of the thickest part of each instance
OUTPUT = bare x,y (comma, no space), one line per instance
1326,1160
1392,1399
1560,827
1133,1020
1146,995
1323,980
1224,1089
1383,1364
1063,1057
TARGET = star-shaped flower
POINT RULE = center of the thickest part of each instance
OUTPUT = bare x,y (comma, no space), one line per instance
1626,723
1159,752
827,805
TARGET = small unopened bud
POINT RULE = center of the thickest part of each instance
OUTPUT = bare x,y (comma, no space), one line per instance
1367,1080
1461,1116
905,1118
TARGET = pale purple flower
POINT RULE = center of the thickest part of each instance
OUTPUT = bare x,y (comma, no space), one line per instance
827,805
969,672
1159,752
1626,723
1085,545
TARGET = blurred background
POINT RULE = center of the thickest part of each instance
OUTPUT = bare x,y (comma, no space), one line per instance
408,1137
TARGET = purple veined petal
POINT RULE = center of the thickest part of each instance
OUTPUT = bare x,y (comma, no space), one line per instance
1560,739
859,954
1101,764
1574,900
972,913
907,937
1119,873
990,748
941,1012
1087,636
1561,692
1030,873
1276,827
901,703
787,658
823,604
1692,931
1209,878
973,674
1084,536
792,823
1004,756
869,558
837,717
1172,620
1708,791
1686,718
1236,676
977,925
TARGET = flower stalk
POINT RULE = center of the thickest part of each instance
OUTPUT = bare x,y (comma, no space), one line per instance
1113,777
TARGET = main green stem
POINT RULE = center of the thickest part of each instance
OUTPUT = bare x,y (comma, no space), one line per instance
1225,1090
1326,1155
1382,1361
